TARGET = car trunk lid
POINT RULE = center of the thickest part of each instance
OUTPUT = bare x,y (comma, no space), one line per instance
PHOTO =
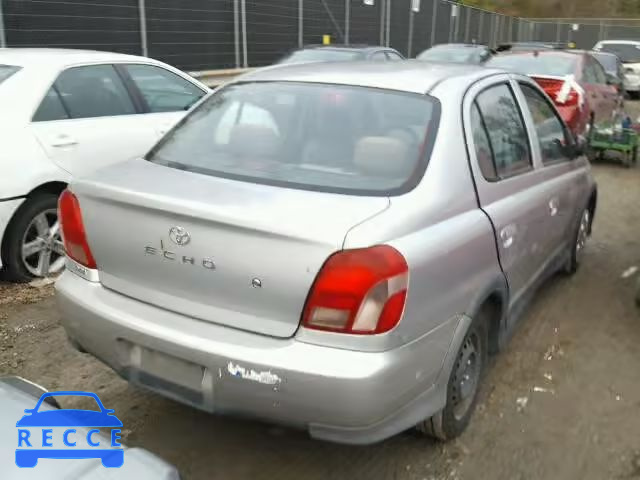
223,251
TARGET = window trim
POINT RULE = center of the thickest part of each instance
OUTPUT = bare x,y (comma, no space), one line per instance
567,135
517,173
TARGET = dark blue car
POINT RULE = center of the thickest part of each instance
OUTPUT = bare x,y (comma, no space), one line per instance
110,457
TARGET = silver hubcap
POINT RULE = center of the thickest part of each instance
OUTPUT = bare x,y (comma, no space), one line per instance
42,248
466,377
583,232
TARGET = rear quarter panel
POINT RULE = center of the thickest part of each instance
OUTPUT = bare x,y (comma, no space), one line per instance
447,240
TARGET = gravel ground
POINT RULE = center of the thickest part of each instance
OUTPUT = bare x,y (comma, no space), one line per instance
561,402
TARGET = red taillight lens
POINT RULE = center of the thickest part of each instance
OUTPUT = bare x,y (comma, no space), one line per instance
359,291
73,233
554,89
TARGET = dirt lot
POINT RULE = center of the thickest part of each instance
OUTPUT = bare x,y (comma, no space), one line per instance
562,402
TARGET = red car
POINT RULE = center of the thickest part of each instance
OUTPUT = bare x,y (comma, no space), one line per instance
575,81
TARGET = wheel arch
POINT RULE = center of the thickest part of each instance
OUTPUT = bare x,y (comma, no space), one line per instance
592,205
494,296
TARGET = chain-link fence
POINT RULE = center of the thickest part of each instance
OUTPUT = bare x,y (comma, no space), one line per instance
216,34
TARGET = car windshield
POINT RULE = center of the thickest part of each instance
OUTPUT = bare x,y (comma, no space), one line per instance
322,55
6,71
449,54
628,53
608,62
309,136
535,64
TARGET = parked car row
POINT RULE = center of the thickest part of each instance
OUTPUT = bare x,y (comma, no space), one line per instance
309,246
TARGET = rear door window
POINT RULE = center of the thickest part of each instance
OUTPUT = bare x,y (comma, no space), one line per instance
6,71
503,122
552,134
51,108
310,136
164,91
93,91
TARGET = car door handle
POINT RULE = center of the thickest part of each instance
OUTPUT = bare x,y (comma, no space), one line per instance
507,235
553,207
63,141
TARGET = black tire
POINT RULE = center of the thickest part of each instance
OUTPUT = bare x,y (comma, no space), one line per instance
15,270
449,423
574,259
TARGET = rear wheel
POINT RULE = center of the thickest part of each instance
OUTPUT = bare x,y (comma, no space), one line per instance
463,385
33,245
579,242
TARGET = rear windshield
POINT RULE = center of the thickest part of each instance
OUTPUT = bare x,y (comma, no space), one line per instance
449,54
536,64
309,136
6,71
608,62
628,53
322,55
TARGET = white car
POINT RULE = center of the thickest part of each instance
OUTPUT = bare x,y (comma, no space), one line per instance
64,114
629,52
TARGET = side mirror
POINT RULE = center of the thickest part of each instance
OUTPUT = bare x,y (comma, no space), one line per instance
613,80
574,150
580,147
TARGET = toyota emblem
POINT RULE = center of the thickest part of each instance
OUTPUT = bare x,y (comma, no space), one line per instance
179,236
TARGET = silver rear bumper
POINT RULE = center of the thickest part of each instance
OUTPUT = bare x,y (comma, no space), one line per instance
336,394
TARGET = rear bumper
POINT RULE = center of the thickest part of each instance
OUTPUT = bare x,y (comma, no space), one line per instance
340,395
632,83
7,209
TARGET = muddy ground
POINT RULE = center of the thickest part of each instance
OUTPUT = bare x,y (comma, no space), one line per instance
561,402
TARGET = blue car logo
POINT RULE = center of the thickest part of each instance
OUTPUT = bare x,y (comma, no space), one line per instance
36,433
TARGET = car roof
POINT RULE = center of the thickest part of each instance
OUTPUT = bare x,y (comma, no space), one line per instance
59,56
338,46
556,53
625,42
461,45
410,76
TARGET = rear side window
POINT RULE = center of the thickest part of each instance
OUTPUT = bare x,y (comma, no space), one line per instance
6,71
93,91
51,108
164,91
552,134
505,128
310,136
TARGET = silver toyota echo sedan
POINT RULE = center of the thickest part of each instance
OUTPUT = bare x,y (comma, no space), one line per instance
336,247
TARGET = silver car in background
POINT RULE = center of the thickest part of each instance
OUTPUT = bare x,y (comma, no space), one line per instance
336,247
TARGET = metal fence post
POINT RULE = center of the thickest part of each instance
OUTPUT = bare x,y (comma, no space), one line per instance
383,7
236,32
142,13
347,20
301,22
480,25
388,24
558,32
467,24
433,22
601,32
3,39
243,17
410,39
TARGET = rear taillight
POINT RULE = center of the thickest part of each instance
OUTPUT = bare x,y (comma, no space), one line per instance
560,91
72,228
359,291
